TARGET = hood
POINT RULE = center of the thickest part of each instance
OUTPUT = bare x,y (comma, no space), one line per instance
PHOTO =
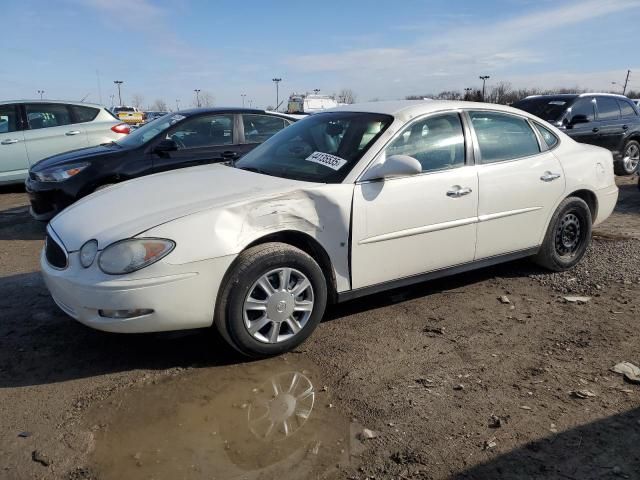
132,207
75,156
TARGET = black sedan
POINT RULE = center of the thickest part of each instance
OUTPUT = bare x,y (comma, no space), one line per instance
176,140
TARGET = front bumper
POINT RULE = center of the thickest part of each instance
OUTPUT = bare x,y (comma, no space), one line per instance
47,199
181,296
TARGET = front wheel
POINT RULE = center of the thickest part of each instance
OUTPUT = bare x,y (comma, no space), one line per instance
568,236
630,159
271,300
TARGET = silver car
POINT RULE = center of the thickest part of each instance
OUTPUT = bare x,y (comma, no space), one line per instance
31,130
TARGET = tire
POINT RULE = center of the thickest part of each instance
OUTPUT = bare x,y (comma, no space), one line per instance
630,161
245,279
555,253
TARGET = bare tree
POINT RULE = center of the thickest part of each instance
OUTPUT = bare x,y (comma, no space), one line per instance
347,96
137,100
159,106
206,99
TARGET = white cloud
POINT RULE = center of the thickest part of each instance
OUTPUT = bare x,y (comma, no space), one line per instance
457,54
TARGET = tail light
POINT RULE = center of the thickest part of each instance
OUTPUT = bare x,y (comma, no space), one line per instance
121,128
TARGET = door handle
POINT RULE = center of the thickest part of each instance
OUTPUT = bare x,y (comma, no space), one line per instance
457,191
10,141
549,177
70,133
595,130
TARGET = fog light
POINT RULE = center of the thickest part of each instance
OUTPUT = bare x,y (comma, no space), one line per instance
138,312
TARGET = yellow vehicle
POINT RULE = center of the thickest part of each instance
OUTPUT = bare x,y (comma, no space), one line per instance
130,115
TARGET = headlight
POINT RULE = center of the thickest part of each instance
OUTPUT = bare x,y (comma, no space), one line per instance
88,253
127,256
60,174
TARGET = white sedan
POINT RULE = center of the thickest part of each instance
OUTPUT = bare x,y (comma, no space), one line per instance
345,203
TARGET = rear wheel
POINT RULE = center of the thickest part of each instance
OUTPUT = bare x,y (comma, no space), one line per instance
271,300
568,236
630,159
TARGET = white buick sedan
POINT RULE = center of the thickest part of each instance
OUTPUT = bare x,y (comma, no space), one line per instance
345,203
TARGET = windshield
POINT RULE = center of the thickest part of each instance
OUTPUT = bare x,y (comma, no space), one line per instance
149,130
321,148
549,109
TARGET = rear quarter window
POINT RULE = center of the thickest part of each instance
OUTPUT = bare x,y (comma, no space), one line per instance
84,114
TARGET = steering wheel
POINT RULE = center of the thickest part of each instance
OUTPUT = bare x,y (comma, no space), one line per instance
178,141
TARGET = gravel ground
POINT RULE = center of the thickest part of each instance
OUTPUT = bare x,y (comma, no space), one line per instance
449,380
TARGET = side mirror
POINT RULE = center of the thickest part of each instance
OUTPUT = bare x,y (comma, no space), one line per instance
394,166
165,146
578,119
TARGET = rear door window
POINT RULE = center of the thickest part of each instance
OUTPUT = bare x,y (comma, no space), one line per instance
608,108
503,137
43,115
84,114
626,109
9,119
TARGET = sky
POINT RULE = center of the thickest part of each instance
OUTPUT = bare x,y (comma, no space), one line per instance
164,49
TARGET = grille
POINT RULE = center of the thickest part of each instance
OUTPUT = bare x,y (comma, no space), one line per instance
56,256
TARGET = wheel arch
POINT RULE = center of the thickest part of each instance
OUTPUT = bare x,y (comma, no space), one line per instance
590,199
311,247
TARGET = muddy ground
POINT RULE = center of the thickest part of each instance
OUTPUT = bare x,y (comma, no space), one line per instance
442,380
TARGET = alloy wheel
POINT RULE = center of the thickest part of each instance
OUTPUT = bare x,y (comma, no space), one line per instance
631,158
278,305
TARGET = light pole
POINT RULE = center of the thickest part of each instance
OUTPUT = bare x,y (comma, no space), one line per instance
277,82
111,97
250,103
197,90
316,91
40,92
118,83
467,94
614,83
177,104
484,79
243,95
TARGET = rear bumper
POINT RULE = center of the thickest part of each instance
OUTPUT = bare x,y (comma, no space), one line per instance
607,199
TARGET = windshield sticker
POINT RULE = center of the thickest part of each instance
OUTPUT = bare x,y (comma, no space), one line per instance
177,118
326,159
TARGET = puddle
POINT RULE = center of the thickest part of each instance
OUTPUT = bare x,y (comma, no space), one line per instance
266,419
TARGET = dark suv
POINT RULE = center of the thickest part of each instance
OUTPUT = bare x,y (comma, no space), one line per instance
606,120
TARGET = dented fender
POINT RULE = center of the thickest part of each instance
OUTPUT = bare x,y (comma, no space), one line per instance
321,211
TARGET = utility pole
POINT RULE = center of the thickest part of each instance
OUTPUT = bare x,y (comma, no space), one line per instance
197,90
41,92
243,95
277,82
118,83
484,79
626,82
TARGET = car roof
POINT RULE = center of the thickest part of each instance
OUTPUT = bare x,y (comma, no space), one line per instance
576,95
407,109
197,111
69,102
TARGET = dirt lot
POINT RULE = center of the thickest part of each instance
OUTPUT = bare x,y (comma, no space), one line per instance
443,380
